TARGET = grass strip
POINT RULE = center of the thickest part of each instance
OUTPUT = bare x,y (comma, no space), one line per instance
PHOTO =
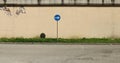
61,40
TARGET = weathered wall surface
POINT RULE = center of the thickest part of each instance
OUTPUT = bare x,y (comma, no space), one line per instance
76,22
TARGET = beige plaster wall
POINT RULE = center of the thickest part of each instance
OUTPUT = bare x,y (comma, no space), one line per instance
76,22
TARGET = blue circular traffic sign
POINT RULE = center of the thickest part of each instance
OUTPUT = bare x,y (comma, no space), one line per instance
57,17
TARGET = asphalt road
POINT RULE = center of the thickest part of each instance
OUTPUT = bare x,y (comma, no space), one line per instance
19,53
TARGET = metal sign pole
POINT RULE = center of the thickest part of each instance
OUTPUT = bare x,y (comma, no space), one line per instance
57,30
57,19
